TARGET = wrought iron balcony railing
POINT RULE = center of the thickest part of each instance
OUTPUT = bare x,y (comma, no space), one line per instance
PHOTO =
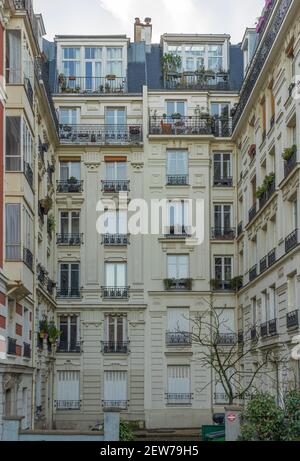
177,180
69,239
253,273
69,186
223,233
263,265
101,134
200,81
253,333
252,212
115,186
226,339
224,181
264,330
42,274
116,404
68,404
115,347
240,228
292,319
115,292
272,257
26,351
219,285
178,338
178,231
290,164
28,173
240,337
11,346
115,239
69,293
179,398
267,195
28,258
28,89
272,326
178,284
91,85
64,348
291,241
220,398
191,126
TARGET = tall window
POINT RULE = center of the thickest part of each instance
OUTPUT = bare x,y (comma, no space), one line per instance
116,222
177,164
223,268
69,222
178,217
68,116
179,384
175,107
178,329
226,321
222,216
292,293
115,275
27,146
71,62
115,389
69,170
115,61
13,144
93,68
222,169
265,307
115,329
215,57
115,117
272,303
28,230
69,340
69,279
220,109
116,171
178,266
13,57
196,56
13,231
68,390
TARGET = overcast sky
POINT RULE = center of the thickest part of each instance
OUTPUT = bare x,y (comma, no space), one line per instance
101,17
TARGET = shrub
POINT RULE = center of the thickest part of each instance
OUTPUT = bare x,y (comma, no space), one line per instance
126,432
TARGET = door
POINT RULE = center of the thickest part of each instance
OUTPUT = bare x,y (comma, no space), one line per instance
116,275
115,123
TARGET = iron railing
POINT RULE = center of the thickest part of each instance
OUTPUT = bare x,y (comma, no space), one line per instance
240,228
115,292
178,338
220,398
69,239
290,164
115,347
200,81
226,339
272,326
115,239
223,233
101,134
90,85
219,285
267,195
224,181
115,186
69,187
179,398
28,258
69,293
292,319
253,273
188,126
64,348
116,404
178,231
177,180
11,346
264,330
240,337
178,284
252,212
272,257
68,404
291,241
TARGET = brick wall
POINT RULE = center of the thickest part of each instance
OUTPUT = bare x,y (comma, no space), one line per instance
1,150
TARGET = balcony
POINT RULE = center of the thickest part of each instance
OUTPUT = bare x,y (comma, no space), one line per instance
11,346
178,338
115,404
272,257
177,180
178,284
115,239
67,404
28,174
26,351
28,258
101,135
252,213
178,231
226,339
292,319
220,398
240,229
264,330
253,273
64,348
42,274
265,197
179,399
253,334
115,186
69,187
197,81
110,84
115,292
69,293
272,325
190,126
290,164
291,241
223,181
115,347
263,265
223,233
69,239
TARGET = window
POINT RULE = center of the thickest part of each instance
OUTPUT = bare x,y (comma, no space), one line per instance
28,231
292,290
115,329
93,68
13,56
115,275
69,279
13,231
179,385
71,62
116,222
226,321
27,146
116,171
178,266
197,56
178,328
25,422
222,169
13,144
220,109
69,170
263,118
28,65
265,307
178,217
115,389
222,216
68,390
215,57
223,268
272,304
177,163
69,340
115,61
115,117
69,222
254,311
175,107
68,116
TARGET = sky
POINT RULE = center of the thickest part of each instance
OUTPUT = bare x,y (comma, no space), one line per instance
102,17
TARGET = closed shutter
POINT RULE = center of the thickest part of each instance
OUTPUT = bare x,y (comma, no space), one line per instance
179,380
115,386
68,389
178,319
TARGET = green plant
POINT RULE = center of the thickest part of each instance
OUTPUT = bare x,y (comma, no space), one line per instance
51,224
44,328
126,432
215,284
168,283
53,332
176,116
269,179
47,204
72,180
292,413
170,63
289,152
189,283
236,283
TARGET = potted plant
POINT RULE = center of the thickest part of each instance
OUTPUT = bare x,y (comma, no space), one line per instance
44,328
236,283
168,283
176,116
189,283
72,180
289,152
51,224
170,65
261,190
46,204
54,333
215,284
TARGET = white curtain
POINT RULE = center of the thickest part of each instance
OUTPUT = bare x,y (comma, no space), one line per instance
68,386
178,319
179,380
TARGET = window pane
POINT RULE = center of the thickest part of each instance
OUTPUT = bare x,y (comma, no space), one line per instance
13,143
13,231
13,56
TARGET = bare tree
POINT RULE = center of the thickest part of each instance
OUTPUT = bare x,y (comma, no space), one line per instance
227,352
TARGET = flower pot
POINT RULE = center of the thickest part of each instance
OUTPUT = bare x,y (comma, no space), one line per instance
42,335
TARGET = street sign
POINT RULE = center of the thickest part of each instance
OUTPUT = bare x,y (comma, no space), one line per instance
231,417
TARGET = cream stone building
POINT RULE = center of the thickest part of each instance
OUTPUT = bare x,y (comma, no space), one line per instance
191,118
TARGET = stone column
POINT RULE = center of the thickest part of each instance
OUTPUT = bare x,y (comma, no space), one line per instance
232,422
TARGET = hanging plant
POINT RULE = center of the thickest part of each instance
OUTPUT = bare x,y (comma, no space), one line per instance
51,224
44,328
46,204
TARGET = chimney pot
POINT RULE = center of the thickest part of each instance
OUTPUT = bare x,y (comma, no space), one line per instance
147,20
137,20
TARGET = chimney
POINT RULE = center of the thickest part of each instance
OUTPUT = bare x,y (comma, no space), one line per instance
143,31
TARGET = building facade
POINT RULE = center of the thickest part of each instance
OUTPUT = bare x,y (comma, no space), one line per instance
193,118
